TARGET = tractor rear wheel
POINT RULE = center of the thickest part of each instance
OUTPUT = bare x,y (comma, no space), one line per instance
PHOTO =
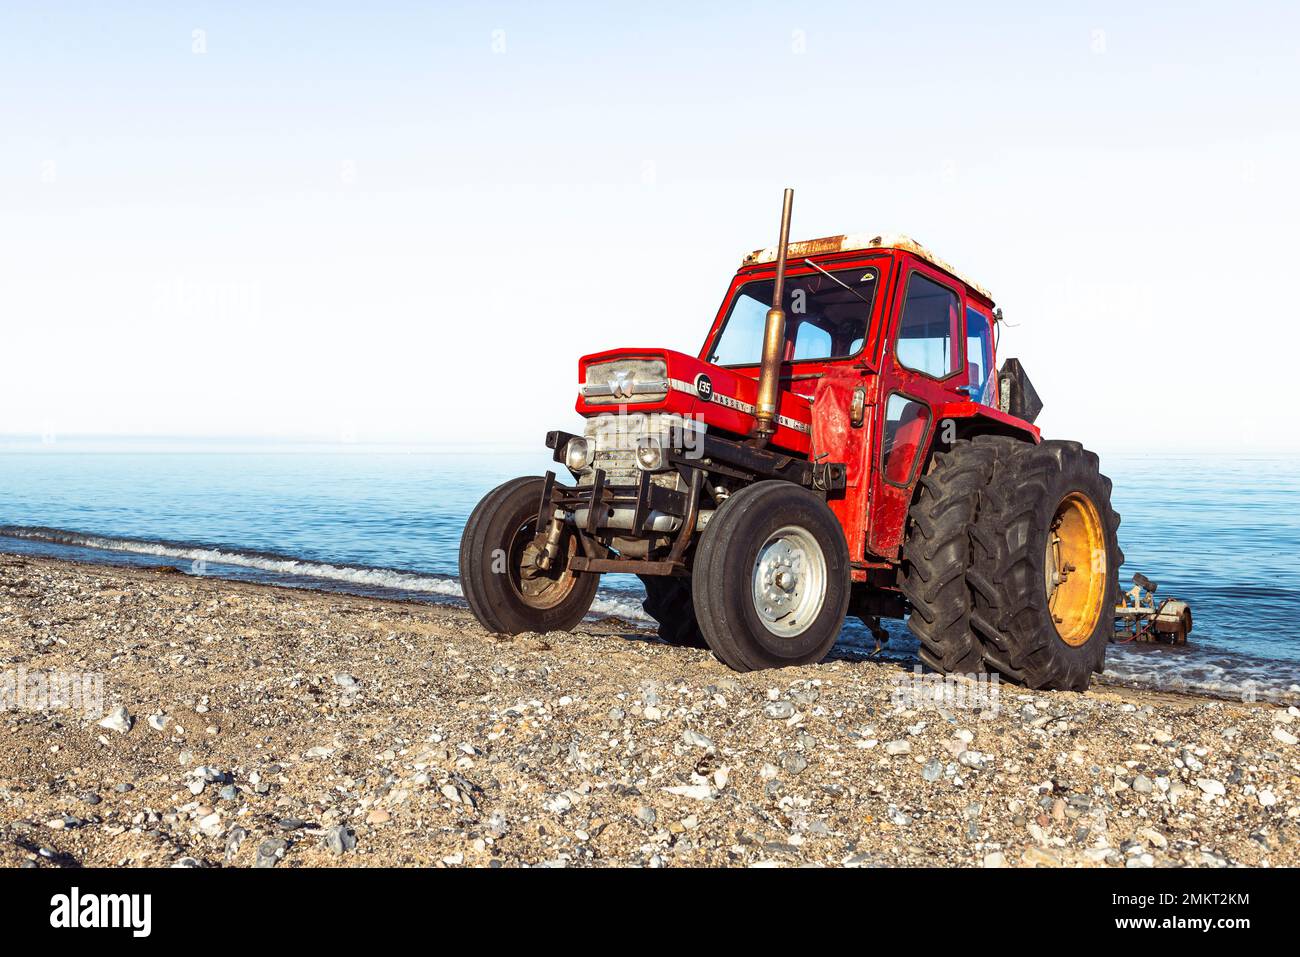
668,601
771,578
1045,561
506,588
936,557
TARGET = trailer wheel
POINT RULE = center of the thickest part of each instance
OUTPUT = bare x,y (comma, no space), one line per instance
936,557
1044,568
771,578
503,584
668,601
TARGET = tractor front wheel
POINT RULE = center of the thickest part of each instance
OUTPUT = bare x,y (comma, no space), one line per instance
771,578
504,583
1044,565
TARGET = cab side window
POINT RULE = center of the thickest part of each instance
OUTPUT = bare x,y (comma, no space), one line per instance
979,356
928,333
906,422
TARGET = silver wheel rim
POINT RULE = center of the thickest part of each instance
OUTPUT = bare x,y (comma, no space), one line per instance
789,585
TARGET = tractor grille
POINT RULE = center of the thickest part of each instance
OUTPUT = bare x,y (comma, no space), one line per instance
625,381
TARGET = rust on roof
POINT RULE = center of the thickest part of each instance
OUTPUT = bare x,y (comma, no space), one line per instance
837,244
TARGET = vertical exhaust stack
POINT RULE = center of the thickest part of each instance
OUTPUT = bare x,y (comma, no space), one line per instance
769,373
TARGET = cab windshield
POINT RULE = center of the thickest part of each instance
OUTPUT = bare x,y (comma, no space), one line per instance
824,319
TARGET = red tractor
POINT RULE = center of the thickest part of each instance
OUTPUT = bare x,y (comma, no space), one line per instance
840,446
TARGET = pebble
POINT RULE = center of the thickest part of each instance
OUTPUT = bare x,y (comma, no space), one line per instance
1142,784
793,762
270,852
1153,837
378,816
235,840
559,804
646,814
932,771
973,760
339,840
1211,787
119,720
1282,734
157,721
210,825
228,793
697,740
1039,857
898,747
779,710
697,792
90,797
1266,798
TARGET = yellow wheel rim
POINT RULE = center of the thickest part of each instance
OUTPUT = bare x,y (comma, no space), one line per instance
1075,570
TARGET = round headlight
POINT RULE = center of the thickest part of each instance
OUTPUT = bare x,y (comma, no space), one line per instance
649,455
577,454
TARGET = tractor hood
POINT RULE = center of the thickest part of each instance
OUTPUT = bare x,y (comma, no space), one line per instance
660,380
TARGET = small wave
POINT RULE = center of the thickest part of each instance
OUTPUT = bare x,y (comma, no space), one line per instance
1240,678
607,604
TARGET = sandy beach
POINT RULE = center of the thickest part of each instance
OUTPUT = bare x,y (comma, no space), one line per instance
277,727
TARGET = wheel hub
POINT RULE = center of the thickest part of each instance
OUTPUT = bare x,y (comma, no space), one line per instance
789,581
1074,568
537,586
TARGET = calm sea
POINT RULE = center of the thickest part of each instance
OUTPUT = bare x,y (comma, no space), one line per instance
1221,533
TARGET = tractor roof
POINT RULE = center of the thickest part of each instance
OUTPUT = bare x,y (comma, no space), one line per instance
836,244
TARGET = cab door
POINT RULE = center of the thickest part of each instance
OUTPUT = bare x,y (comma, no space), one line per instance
924,367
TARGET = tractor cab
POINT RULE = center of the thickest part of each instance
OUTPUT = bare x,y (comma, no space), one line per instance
882,328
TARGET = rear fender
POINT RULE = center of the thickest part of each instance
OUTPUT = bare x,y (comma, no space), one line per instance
963,420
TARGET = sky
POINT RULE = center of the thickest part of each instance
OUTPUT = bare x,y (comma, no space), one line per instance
406,221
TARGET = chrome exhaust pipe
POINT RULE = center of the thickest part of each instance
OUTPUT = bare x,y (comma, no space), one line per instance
769,372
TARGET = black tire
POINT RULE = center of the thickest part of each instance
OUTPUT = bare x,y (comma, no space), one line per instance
668,601
491,566
1033,487
936,556
723,577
